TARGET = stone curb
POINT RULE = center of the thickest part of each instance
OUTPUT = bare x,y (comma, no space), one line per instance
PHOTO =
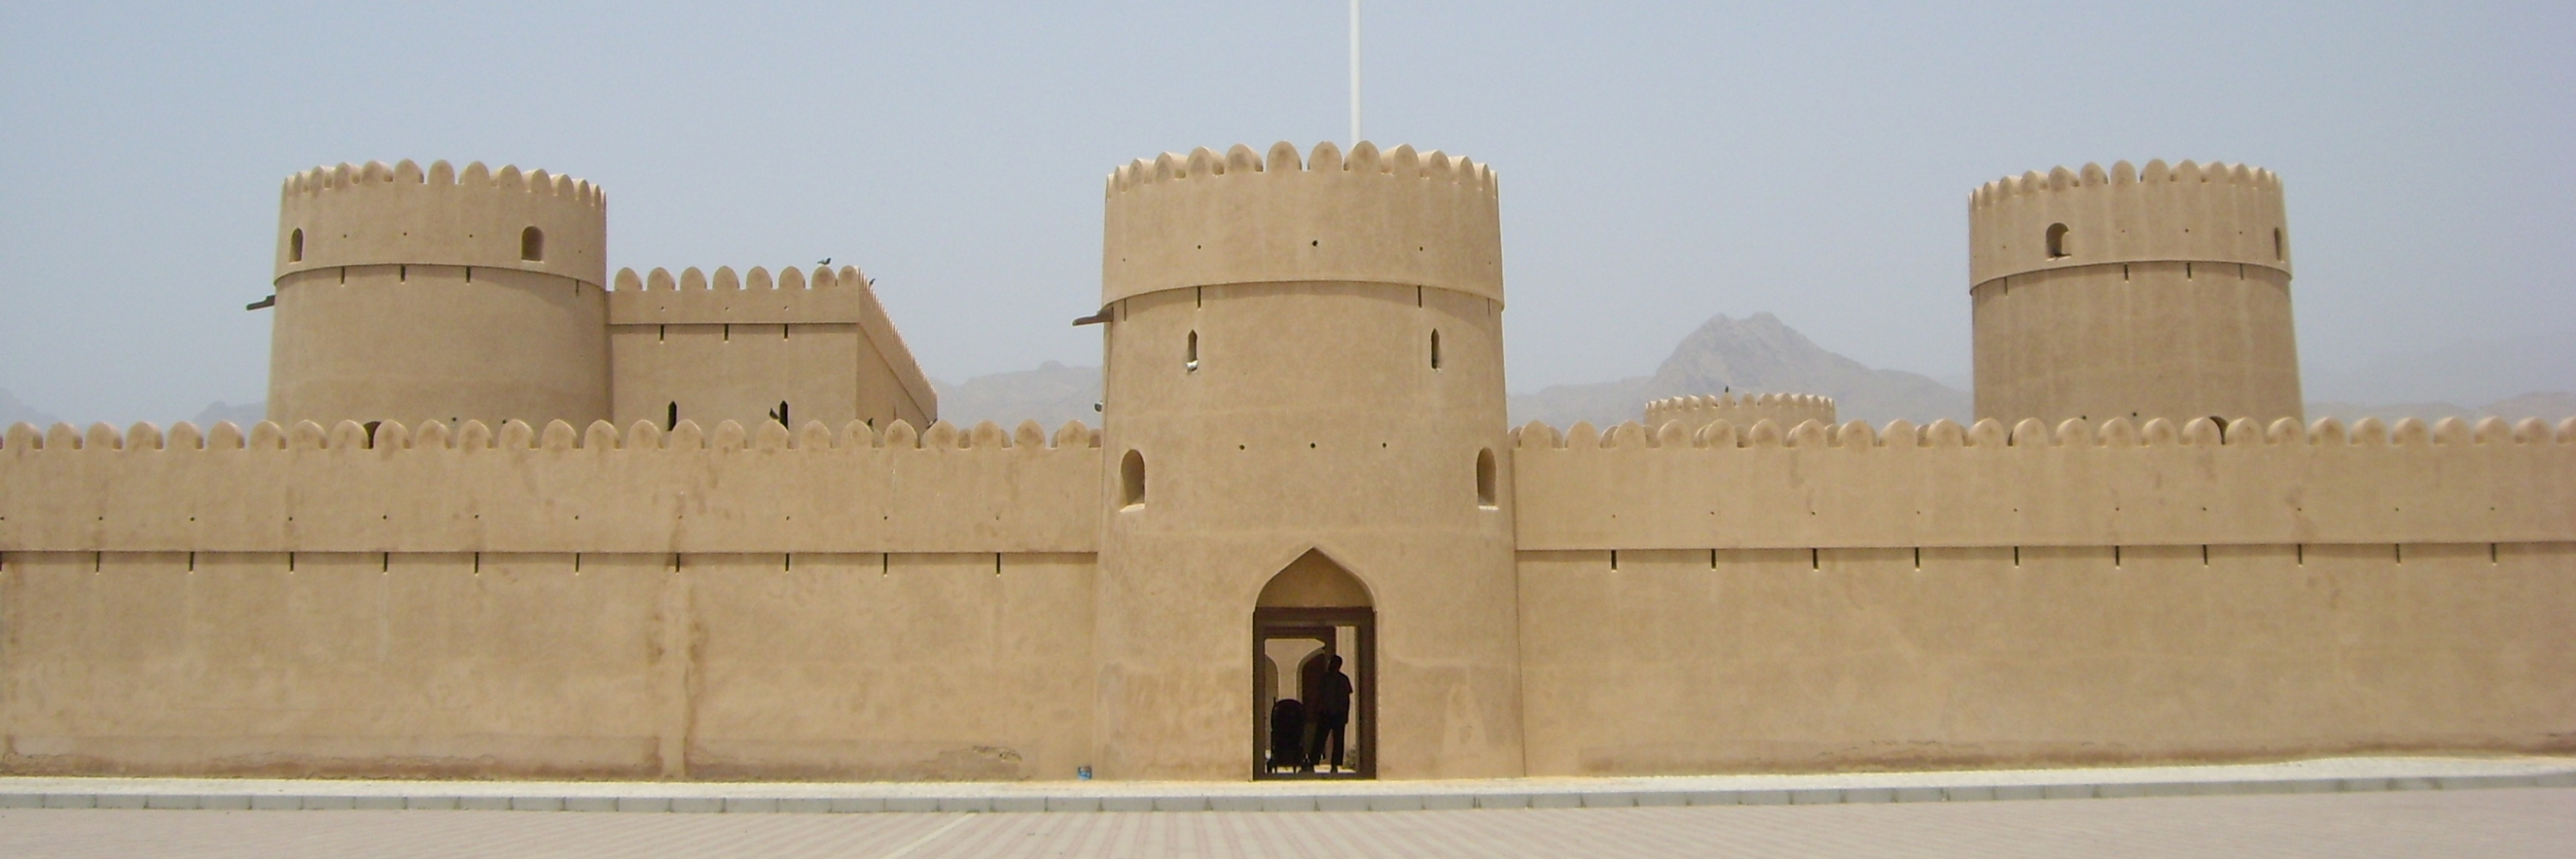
1621,797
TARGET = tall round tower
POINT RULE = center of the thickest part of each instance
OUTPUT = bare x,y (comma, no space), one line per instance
2140,295
408,296
1304,433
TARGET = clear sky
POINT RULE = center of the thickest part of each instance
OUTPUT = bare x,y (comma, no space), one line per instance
1661,163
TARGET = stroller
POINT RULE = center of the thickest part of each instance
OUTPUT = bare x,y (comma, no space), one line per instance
1287,735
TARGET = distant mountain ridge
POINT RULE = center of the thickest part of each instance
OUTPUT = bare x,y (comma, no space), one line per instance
1758,354
1051,394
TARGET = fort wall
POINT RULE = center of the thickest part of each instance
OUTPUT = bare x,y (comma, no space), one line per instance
1752,599
546,665
1811,659
710,348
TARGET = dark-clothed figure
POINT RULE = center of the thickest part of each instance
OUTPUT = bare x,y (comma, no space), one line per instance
1328,709
1287,735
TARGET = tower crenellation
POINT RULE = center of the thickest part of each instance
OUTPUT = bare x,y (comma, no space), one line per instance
2217,213
380,214
1418,219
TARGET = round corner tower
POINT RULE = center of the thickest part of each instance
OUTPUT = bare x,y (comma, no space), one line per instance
1305,370
2162,293
410,296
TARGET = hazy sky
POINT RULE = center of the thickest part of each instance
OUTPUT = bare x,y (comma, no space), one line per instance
1660,163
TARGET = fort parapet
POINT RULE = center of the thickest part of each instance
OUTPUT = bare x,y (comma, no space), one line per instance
708,347
1696,412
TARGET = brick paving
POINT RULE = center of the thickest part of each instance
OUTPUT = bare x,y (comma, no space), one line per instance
2485,823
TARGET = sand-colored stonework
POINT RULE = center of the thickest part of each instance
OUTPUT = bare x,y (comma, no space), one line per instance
520,563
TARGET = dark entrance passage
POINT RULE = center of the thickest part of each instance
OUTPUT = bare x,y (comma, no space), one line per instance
1314,668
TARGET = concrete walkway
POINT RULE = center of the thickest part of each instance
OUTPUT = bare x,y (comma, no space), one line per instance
2334,775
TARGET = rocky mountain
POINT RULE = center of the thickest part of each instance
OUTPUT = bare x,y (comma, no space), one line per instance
2551,406
1051,394
245,415
12,411
1757,354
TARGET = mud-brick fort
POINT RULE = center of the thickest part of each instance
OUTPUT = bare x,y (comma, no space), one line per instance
512,517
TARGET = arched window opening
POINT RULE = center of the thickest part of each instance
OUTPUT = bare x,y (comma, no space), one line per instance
672,421
2280,245
2057,241
1435,349
1191,360
781,415
1485,478
295,244
1131,480
532,244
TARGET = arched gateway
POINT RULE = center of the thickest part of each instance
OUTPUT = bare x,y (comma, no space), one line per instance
1310,613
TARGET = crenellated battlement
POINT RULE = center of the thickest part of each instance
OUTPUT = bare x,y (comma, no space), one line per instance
351,178
437,488
1694,412
391,437
398,214
1395,217
824,296
2191,212
2076,484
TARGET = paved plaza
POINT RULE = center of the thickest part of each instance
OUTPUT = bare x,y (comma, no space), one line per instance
2484,823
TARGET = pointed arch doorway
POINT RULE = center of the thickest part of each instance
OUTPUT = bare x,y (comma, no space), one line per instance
1310,614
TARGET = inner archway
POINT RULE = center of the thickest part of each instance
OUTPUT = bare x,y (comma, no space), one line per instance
1311,718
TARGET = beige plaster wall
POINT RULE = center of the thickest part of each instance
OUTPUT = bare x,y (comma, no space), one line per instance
1733,660
521,490
2167,295
2175,340
515,665
731,347
437,342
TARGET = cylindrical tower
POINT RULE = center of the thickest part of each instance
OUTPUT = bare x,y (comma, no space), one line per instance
2140,295
408,297
1305,370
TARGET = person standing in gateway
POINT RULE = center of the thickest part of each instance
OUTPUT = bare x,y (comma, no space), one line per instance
1328,709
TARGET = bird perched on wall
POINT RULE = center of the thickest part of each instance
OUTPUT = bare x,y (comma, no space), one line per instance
826,261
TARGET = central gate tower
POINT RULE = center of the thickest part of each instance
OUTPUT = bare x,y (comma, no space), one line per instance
1304,356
